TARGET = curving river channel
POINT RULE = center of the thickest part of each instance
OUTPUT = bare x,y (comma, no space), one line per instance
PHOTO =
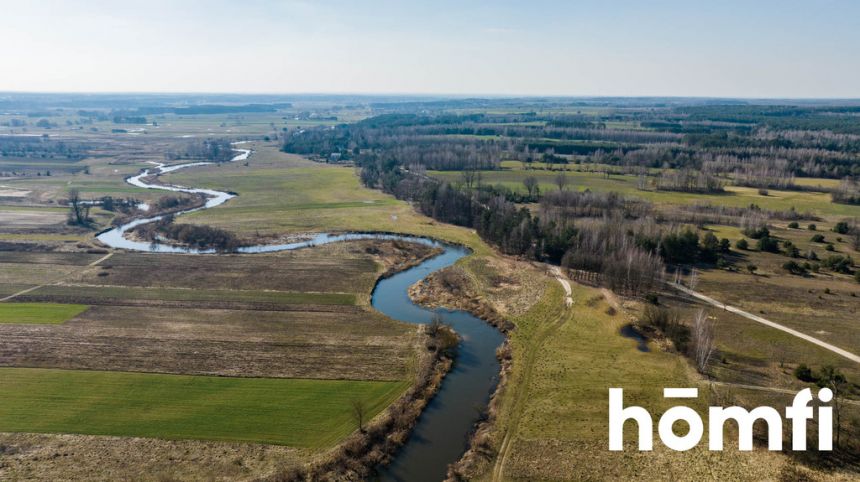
441,435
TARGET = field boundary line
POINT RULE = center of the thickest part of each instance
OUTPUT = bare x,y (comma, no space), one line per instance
56,281
764,321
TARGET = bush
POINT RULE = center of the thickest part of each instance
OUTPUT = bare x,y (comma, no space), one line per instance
838,263
842,227
804,373
793,225
742,244
668,322
829,247
653,299
768,244
752,268
794,268
857,276
812,227
757,233
818,238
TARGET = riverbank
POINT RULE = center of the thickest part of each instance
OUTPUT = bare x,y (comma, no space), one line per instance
374,445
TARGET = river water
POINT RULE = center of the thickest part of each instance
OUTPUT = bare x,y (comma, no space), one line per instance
441,435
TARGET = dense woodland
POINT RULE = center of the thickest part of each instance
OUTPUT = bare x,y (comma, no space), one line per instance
625,239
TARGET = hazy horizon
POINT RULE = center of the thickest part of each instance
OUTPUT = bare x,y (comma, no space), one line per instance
771,50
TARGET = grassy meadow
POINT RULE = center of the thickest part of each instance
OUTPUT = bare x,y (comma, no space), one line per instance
39,313
735,196
281,193
301,413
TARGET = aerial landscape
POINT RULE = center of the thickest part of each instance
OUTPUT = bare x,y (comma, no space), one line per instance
275,279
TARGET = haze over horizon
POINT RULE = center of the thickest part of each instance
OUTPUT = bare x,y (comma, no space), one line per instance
787,49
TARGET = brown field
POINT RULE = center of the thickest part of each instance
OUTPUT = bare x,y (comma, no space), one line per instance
89,457
186,314
333,342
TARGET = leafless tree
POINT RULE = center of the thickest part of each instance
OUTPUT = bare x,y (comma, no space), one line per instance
531,184
469,177
359,412
832,378
79,211
436,324
561,180
703,340
693,279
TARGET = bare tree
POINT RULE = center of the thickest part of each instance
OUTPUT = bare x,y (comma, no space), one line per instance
703,340
436,324
561,180
693,280
79,211
470,176
830,377
359,412
531,184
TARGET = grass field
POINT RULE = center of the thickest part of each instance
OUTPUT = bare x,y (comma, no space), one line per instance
735,196
281,193
120,293
38,313
300,413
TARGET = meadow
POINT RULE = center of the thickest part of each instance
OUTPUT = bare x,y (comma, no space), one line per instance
301,413
735,196
39,313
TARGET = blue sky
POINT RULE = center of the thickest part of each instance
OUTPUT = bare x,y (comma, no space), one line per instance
662,47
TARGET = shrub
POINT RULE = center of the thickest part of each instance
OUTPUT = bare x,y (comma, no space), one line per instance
793,225
668,322
812,227
742,244
794,268
652,299
768,244
829,247
857,276
838,263
752,268
804,373
818,238
757,233
842,227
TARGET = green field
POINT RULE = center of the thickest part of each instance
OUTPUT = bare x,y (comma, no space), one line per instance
300,413
281,193
735,196
168,294
38,313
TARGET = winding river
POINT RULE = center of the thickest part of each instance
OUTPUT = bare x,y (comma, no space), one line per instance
441,435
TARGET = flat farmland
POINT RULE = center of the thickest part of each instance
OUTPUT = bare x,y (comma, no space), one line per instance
38,313
283,193
299,413
269,348
312,342
313,270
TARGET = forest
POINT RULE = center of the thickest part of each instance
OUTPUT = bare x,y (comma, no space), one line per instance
624,238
